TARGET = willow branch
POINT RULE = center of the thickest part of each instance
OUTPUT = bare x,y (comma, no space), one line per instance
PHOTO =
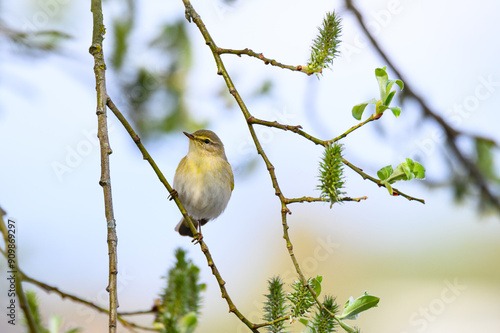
294,128
269,323
311,199
451,133
137,313
364,175
267,61
96,49
352,129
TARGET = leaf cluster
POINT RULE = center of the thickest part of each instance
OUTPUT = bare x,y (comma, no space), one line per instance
404,171
386,96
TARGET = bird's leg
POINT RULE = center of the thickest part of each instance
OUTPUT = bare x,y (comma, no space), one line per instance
199,236
172,194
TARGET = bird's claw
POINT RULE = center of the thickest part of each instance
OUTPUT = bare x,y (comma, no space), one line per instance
197,239
172,194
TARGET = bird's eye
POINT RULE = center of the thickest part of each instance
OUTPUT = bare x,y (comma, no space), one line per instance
207,141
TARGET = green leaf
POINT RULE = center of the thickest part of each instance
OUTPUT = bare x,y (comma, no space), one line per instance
316,284
346,327
304,321
354,307
388,100
188,322
418,170
390,83
396,110
380,108
357,110
382,78
400,84
385,172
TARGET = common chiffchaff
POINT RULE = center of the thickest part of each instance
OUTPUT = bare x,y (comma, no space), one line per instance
203,180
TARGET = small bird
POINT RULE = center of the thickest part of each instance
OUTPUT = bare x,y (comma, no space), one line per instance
203,180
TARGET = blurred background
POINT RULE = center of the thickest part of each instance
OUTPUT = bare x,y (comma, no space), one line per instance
434,266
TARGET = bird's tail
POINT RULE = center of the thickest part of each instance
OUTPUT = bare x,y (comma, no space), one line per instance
183,228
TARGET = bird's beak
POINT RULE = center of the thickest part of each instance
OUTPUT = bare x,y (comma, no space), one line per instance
189,135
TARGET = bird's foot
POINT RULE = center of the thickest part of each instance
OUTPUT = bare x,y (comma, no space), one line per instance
172,194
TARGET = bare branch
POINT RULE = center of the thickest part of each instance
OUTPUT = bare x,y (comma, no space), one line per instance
96,50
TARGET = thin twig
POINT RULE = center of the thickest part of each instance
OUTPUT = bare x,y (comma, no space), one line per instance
137,313
96,50
304,199
304,69
395,191
272,322
294,128
371,118
312,199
